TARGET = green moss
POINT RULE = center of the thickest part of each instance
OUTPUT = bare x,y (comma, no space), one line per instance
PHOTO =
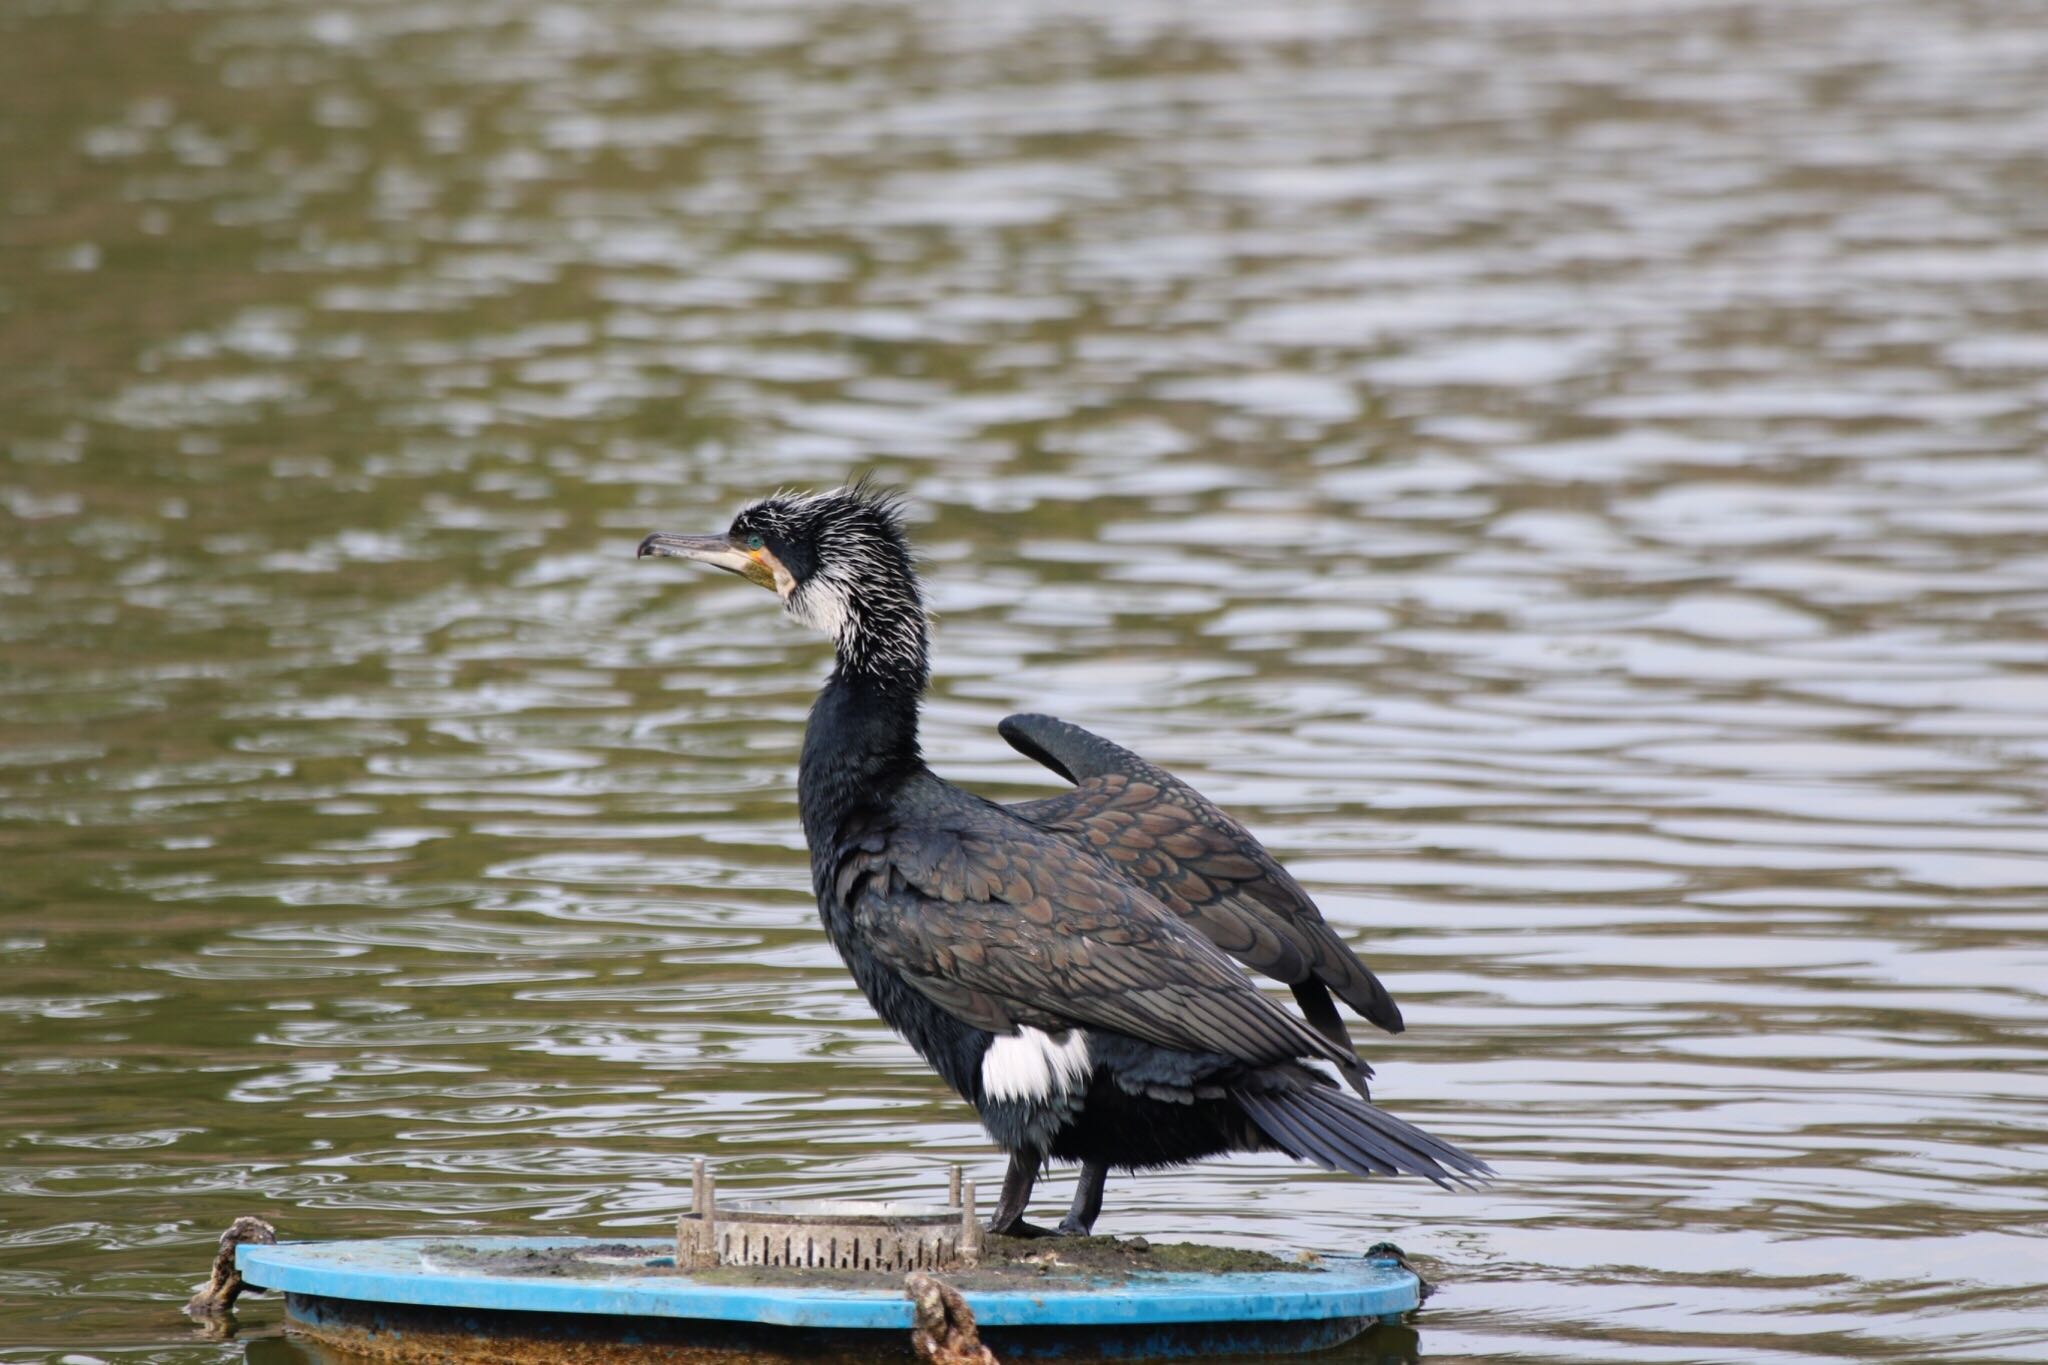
1007,1262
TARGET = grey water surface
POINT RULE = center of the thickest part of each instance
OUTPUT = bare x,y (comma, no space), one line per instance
1571,476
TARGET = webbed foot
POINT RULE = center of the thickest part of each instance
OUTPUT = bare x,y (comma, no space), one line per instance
1019,1227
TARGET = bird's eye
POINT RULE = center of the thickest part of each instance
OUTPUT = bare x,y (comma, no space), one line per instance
754,542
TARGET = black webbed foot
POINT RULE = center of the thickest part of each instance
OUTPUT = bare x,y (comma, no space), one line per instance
1019,1228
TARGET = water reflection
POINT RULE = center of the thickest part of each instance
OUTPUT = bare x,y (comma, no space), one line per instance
1572,480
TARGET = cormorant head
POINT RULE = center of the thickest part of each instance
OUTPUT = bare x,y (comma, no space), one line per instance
840,562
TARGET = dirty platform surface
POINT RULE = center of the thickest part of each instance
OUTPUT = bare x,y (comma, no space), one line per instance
521,1298
1099,1281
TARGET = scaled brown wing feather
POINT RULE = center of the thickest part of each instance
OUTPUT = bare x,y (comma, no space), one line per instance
1004,925
1196,859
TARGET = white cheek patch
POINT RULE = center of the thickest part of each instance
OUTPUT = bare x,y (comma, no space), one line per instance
820,604
1031,1064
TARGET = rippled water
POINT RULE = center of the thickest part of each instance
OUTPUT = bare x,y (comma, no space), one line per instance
1573,481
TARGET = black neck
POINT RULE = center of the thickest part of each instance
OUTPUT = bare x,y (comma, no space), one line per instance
860,746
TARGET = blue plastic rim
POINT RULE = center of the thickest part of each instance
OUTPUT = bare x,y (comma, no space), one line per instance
429,1271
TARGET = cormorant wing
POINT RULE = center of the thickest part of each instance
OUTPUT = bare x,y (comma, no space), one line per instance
1206,867
1001,924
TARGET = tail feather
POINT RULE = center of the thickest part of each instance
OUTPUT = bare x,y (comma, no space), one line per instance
1284,1128
1354,1150
1341,1133
1453,1157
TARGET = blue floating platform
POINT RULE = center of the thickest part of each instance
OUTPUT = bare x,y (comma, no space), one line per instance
537,1298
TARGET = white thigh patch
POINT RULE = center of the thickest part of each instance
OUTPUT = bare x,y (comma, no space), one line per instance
1031,1064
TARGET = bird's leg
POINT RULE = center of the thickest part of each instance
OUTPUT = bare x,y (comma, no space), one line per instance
1087,1205
1017,1183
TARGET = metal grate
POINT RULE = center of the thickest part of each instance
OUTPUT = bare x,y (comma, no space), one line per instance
829,1234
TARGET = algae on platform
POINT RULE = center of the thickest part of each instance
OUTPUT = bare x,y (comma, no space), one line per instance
1007,1263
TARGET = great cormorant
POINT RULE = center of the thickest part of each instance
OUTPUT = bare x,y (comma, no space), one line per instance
1200,863
1060,963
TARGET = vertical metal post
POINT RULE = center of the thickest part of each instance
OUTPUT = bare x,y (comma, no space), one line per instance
970,1226
697,1230
707,1221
